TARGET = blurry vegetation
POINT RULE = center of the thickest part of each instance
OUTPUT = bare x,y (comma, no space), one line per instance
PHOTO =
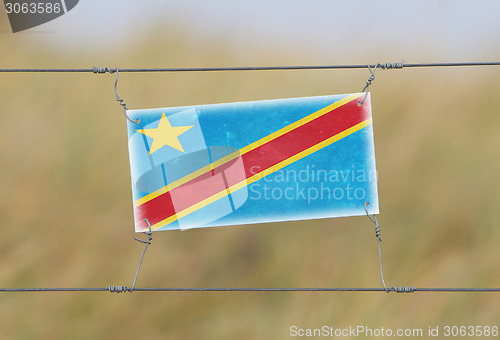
66,210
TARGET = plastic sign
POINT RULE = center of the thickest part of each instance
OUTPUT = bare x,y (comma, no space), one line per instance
252,162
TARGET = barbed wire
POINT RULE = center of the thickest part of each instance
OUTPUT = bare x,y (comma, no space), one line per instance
398,65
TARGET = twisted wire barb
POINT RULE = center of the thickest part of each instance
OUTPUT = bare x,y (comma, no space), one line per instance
392,66
117,289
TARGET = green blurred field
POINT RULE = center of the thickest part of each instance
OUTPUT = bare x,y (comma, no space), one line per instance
66,210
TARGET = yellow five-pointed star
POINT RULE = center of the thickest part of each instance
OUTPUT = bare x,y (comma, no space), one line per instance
165,134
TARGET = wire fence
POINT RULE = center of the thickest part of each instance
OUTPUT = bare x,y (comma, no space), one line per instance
371,67
397,65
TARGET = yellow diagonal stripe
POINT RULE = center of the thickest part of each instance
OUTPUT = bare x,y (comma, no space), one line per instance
246,149
261,174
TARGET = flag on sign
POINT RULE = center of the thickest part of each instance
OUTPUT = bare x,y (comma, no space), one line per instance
252,162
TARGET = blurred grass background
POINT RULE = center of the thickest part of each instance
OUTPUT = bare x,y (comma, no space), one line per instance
66,210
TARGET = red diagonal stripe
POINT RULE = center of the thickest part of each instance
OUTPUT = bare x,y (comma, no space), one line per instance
258,159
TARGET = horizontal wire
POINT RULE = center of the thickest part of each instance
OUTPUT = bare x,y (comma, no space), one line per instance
246,68
119,289
125,289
